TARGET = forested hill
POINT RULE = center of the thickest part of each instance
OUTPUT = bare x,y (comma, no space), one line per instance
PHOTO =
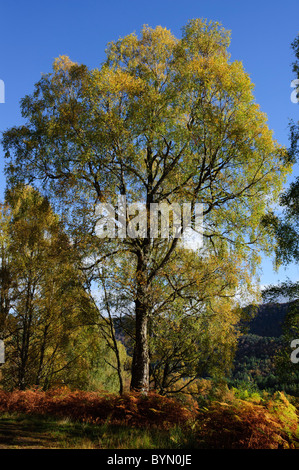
255,363
266,319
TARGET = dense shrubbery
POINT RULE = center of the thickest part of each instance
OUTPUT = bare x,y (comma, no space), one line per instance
237,420
131,409
259,422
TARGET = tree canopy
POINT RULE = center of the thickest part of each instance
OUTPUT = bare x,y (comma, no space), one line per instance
162,120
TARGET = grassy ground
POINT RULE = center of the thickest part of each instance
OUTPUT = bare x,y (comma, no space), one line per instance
34,432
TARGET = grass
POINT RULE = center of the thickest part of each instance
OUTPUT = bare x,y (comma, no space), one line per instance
19,431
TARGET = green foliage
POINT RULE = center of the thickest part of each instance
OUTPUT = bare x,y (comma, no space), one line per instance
177,359
163,119
45,311
95,368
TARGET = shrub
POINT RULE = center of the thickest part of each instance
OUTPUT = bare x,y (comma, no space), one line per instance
242,425
133,409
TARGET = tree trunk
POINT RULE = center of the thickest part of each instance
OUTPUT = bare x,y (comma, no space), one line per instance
140,366
140,363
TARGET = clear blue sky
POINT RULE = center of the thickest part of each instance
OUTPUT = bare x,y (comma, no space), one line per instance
33,33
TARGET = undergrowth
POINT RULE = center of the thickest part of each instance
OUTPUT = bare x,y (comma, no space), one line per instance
231,421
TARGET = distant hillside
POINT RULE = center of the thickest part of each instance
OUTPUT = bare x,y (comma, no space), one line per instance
254,363
266,320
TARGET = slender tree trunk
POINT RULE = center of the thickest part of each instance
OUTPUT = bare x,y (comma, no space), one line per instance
42,356
140,364
115,347
141,359
24,353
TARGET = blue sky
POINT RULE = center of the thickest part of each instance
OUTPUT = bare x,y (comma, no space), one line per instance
33,33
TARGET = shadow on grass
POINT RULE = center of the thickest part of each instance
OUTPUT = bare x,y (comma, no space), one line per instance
45,432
